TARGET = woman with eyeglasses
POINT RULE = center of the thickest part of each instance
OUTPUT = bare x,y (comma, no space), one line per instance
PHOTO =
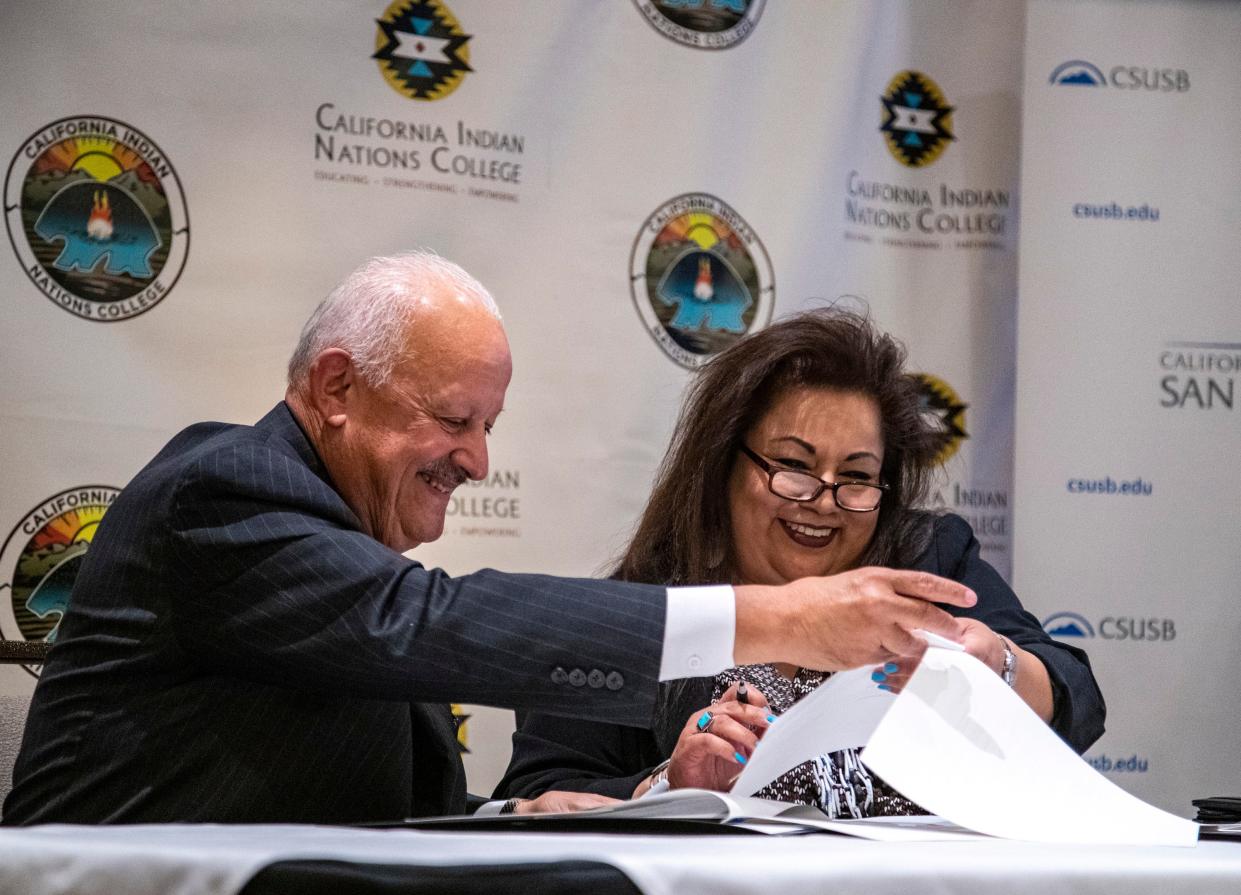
803,450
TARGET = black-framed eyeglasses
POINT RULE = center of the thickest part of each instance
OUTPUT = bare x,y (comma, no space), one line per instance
855,497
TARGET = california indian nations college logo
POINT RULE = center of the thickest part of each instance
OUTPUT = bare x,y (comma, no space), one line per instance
700,278
421,49
96,215
944,410
705,24
40,559
917,120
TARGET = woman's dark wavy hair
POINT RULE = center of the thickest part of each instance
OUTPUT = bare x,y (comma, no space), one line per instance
685,533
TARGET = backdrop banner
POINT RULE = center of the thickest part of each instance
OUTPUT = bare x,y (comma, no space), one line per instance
640,184
1129,352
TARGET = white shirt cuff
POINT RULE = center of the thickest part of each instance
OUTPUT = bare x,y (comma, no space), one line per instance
490,809
699,630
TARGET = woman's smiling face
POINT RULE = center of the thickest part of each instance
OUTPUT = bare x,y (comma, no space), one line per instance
834,435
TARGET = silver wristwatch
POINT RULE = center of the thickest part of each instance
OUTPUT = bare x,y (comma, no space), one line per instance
657,779
1009,671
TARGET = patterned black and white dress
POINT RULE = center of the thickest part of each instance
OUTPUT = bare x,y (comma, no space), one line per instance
838,784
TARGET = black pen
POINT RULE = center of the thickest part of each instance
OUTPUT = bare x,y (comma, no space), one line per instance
743,695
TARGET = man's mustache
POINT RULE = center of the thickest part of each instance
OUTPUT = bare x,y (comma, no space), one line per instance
445,471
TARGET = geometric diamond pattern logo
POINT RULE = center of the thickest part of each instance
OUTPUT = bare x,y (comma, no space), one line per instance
461,719
945,411
917,120
421,50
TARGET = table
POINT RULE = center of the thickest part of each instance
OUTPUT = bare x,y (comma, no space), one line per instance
198,859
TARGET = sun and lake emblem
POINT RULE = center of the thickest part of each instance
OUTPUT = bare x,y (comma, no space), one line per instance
41,557
703,24
97,217
700,278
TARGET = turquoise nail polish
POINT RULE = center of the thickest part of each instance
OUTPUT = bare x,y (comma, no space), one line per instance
771,719
885,687
891,668
878,677
740,758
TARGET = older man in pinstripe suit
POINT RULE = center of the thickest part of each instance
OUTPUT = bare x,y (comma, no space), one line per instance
246,641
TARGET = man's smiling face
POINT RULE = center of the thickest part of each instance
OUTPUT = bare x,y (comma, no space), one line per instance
406,444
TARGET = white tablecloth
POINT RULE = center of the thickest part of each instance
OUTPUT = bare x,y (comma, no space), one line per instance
192,860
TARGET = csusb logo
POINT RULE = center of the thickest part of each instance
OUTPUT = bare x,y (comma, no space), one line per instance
700,278
917,120
1199,375
945,410
40,559
1080,73
705,24
1066,625
96,215
421,49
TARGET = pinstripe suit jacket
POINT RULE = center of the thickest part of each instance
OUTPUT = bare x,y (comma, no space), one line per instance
236,649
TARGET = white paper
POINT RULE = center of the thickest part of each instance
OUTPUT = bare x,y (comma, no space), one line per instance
963,745
919,828
841,714
689,803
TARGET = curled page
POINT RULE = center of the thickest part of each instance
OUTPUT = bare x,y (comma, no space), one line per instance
963,745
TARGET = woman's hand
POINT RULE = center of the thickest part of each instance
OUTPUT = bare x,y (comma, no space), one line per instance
979,641
717,741
1032,683
557,801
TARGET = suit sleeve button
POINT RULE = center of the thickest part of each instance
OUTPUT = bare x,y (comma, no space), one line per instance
595,678
615,680
559,675
577,677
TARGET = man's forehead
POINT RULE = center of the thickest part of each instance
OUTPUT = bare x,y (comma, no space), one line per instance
464,379
456,324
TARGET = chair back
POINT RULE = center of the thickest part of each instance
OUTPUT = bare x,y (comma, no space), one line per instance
24,652
13,708
12,724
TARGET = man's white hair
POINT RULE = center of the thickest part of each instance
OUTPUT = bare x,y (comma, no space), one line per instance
368,314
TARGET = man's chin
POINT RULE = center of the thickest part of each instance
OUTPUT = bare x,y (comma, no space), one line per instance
410,538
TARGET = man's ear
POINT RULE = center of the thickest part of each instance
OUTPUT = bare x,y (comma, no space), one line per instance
332,385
